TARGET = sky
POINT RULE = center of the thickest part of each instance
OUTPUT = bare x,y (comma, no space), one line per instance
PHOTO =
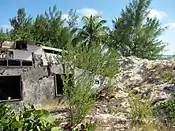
109,9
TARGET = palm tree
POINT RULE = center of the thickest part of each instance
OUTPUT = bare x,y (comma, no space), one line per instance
93,30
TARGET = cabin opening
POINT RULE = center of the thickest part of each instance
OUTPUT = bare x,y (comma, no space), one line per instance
14,63
52,51
27,63
3,62
21,45
10,86
60,84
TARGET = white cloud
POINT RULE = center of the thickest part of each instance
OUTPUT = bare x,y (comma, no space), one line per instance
6,27
171,25
65,16
156,13
88,12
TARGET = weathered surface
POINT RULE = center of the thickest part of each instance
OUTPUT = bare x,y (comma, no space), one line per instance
36,84
99,82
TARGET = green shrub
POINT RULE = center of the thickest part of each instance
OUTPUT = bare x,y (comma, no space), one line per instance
141,113
12,119
79,99
139,110
168,76
93,61
168,108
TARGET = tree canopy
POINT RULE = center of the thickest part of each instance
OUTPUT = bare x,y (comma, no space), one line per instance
133,33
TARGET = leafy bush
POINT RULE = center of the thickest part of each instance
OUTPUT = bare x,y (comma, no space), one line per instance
96,59
12,119
168,76
79,99
93,61
141,113
168,108
140,110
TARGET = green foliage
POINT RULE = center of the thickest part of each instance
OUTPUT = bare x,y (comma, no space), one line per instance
79,99
142,114
136,34
90,126
140,110
93,30
96,59
168,107
51,24
12,119
21,26
168,76
72,29
4,36
93,61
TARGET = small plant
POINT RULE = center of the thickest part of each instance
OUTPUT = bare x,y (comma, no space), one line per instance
168,76
168,108
79,99
165,112
140,111
25,120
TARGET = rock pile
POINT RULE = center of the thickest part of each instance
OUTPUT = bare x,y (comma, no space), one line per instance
140,75
155,77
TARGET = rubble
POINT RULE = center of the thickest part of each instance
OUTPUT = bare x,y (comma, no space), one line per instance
138,76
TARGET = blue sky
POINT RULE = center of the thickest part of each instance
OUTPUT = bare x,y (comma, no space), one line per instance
162,9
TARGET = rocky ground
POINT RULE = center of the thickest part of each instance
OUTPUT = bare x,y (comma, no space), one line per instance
138,76
112,111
